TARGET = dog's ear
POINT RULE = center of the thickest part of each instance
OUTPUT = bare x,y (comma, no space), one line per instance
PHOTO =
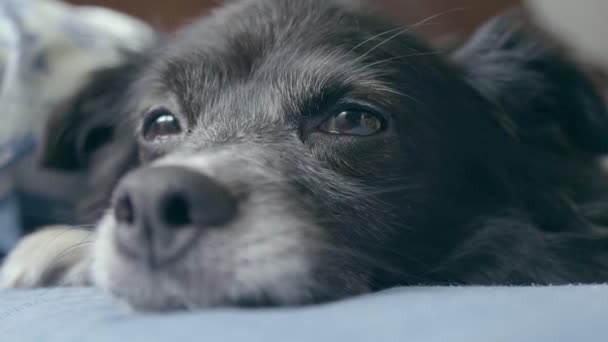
89,120
543,94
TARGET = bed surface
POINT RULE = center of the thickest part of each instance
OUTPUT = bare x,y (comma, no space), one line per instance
571,313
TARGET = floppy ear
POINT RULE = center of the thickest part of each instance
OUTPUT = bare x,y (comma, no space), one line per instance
543,94
88,122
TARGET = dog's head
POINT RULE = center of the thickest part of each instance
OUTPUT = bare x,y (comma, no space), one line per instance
290,152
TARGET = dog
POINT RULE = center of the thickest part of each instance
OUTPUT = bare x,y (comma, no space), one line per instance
293,152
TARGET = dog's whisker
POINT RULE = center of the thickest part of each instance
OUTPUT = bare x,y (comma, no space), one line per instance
65,253
396,58
376,36
406,30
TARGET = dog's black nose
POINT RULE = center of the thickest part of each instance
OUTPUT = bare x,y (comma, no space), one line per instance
161,209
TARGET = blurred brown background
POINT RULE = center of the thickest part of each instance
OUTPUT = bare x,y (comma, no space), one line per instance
454,16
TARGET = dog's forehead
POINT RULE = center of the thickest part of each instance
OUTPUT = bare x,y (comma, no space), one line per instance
239,40
258,53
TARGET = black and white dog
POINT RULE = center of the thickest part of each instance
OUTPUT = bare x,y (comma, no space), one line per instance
288,152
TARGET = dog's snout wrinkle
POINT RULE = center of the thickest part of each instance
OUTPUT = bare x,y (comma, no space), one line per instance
160,210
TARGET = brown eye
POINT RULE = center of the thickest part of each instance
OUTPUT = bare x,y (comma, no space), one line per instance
161,123
353,122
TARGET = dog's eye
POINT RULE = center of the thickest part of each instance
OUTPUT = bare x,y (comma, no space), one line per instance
353,122
161,123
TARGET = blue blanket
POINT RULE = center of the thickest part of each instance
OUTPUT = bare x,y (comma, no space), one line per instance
555,314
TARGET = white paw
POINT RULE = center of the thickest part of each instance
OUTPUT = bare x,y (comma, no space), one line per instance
57,256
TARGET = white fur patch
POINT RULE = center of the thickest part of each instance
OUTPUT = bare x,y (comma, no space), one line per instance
59,253
264,252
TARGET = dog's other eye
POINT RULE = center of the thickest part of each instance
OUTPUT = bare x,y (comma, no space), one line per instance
161,123
353,122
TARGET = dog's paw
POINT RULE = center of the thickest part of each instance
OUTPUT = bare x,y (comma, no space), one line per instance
58,256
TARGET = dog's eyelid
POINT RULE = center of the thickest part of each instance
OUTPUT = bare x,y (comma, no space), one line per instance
352,103
357,104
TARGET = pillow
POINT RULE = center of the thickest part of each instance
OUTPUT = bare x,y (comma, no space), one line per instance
47,49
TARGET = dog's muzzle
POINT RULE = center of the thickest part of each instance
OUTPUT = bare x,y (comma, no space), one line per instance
160,211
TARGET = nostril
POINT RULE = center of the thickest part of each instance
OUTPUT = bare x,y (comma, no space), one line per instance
176,211
123,210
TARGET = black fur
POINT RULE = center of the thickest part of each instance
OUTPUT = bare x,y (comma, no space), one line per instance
485,174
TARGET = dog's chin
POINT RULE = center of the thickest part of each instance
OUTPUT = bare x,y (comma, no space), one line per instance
269,272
